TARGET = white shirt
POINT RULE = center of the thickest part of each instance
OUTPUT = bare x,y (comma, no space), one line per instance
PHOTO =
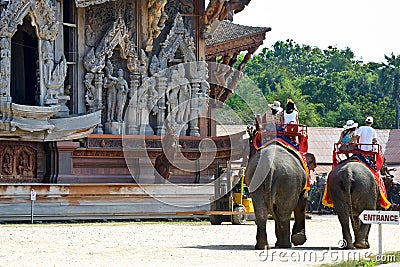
366,134
290,118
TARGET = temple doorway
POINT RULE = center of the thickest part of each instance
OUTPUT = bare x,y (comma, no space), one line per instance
24,57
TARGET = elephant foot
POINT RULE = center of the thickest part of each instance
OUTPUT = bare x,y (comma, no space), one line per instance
298,239
260,246
278,245
361,244
348,246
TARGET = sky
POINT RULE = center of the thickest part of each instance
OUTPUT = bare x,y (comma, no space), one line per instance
370,28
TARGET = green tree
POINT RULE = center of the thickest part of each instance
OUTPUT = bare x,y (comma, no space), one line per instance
390,81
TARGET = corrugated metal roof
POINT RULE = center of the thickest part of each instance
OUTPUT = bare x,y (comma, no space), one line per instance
392,151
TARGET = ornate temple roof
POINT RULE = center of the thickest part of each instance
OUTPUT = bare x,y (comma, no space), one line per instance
230,37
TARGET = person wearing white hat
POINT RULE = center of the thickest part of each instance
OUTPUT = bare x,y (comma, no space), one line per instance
366,135
347,135
276,110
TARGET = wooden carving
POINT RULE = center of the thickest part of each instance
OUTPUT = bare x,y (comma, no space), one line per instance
43,12
18,161
117,35
165,160
156,20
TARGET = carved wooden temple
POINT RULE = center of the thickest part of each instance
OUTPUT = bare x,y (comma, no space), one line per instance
86,87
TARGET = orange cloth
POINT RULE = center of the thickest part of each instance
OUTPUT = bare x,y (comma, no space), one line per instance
383,201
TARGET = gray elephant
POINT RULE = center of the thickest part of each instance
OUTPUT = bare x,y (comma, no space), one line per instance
276,179
352,188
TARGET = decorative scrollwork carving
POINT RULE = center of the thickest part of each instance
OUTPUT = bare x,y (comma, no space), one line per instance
95,59
43,12
177,39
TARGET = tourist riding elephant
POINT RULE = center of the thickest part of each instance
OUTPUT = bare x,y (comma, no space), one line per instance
352,188
276,179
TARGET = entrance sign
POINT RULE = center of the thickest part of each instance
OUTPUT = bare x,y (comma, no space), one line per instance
380,217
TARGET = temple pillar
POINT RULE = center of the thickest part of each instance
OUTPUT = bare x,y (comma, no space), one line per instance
98,83
162,88
194,108
131,113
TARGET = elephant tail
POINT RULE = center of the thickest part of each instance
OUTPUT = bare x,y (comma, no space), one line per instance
347,193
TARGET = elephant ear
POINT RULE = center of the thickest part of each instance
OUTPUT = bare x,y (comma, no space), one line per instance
311,161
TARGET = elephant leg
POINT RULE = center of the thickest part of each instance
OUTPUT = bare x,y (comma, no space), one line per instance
343,215
282,228
261,214
362,237
356,226
299,230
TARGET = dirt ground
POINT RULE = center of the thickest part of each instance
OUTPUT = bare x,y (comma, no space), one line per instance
175,244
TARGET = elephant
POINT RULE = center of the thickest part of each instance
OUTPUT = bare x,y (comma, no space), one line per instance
277,179
352,189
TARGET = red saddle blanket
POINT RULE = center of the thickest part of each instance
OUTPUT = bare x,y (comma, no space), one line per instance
301,156
383,201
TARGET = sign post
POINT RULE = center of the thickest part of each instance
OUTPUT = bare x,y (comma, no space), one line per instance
380,217
33,198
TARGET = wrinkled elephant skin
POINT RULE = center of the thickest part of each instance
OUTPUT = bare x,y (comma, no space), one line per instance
352,189
276,179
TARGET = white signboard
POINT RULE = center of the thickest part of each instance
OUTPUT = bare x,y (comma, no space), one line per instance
380,217
33,195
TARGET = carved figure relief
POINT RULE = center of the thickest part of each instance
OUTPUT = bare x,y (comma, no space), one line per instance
109,86
184,96
172,97
212,12
18,160
54,73
156,20
90,92
7,164
122,92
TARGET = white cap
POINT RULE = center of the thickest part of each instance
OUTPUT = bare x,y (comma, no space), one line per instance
369,120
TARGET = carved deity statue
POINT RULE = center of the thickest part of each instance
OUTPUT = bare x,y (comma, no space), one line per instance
90,91
109,85
53,73
232,7
6,166
24,168
144,92
184,96
172,96
203,97
144,62
122,91
212,12
157,18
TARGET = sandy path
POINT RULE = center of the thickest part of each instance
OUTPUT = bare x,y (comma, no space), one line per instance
172,244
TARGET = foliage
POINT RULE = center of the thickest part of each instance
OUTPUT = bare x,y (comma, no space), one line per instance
388,257
328,86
